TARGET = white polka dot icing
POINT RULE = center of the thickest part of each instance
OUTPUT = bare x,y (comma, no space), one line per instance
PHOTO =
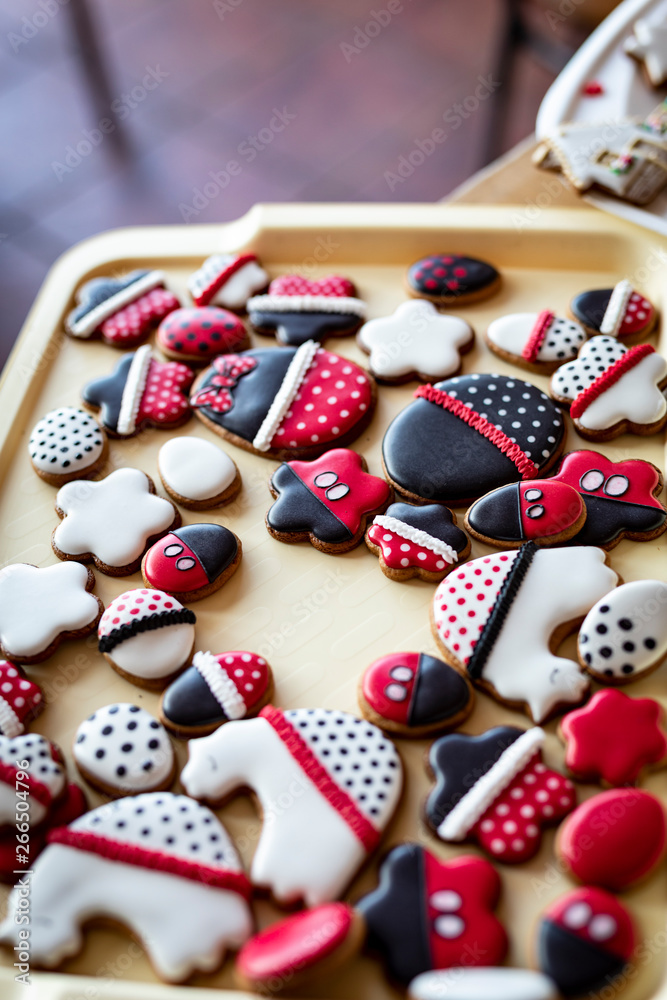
625,634
562,339
65,441
123,747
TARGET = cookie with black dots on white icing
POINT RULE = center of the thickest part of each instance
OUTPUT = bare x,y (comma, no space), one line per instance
539,342
122,750
616,312
448,278
624,636
66,444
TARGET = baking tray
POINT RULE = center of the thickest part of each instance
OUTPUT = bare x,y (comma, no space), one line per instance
318,619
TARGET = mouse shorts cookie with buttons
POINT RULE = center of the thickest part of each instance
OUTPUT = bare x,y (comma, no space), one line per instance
227,280
539,342
616,312
417,541
452,279
66,444
197,335
298,309
122,311
192,562
541,511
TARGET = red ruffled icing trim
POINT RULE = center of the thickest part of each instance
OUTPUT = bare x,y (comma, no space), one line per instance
511,449
361,827
207,294
608,378
532,346
133,854
39,791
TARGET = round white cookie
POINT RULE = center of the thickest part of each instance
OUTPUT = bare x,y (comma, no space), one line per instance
67,443
123,750
197,473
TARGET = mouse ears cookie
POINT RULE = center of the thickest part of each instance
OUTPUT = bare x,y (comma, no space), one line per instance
541,510
417,541
122,311
299,309
227,280
470,434
539,342
615,312
448,278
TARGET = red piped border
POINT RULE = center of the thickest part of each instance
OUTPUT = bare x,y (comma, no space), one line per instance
608,378
511,449
361,827
37,789
532,346
207,294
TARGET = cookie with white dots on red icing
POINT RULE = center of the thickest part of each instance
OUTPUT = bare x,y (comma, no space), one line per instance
585,940
611,389
616,312
197,335
66,444
21,700
497,613
340,775
430,914
451,278
419,542
216,689
142,862
192,562
227,280
299,309
293,403
542,511
414,694
539,342
141,392
461,438
494,789
122,311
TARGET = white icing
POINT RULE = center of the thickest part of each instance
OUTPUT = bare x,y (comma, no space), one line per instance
113,518
240,286
562,340
624,651
134,605
66,440
649,44
615,311
10,724
283,399
36,605
467,983
194,468
133,391
417,536
128,738
41,767
222,687
416,338
155,654
94,319
486,789
307,303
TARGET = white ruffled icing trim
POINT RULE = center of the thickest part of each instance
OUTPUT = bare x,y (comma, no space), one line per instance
133,391
615,311
222,687
307,303
474,803
10,724
284,398
416,535
90,322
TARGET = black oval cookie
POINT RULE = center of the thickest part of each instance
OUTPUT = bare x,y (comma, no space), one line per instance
450,277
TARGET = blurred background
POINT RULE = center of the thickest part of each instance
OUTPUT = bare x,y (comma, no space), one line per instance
124,112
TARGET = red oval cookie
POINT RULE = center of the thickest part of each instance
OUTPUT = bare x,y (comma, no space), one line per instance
200,333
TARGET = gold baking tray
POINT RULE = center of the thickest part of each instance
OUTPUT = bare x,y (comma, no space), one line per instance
318,619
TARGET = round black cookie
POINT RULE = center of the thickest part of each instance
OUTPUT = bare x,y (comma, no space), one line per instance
450,277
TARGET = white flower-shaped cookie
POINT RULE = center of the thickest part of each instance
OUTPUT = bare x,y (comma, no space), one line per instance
648,44
415,340
111,521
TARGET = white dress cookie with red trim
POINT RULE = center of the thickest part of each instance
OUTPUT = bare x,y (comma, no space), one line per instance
20,700
342,779
616,312
31,763
537,341
297,309
227,280
159,864
122,311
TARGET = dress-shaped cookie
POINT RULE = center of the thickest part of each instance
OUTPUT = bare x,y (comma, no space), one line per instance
417,541
227,280
616,312
539,342
297,309
122,311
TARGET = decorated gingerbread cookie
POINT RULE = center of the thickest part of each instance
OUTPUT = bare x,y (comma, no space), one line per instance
122,750
111,522
197,474
621,497
470,434
416,341
147,636
417,541
216,689
648,45
197,335
122,311
611,389
21,700
298,309
542,511
140,392
495,790
449,278
498,612
539,342
192,562
616,312
40,607
501,983
18,853
432,914
414,694
142,862
341,776
32,764
67,444
326,502
227,280
293,403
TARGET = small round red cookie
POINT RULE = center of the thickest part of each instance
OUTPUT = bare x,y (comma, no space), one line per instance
417,541
540,511
618,312
196,335
450,278
192,562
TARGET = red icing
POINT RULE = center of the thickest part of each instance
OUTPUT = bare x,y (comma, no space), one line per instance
606,379
365,492
37,790
217,393
178,572
643,477
592,89
614,839
462,929
66,810
556,510
201,333
594,750
163,401
131,324
567,910
249,672
387,688
536,337
294,284
466,599
296,943
23,696
638,315
401,553
222,277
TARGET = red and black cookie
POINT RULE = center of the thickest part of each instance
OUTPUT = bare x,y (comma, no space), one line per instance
192,562
197,335
618,312
449,278
122,311
298,309
541,511
414,694
584,941
417,541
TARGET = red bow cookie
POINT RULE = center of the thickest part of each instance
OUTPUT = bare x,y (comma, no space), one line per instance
229,370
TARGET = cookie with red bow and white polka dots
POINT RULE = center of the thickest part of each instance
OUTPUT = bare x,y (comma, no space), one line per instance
417,541
227,280
617,312
122,311
299,309
20,700
449,278
495,790
141,392
198,335
539,342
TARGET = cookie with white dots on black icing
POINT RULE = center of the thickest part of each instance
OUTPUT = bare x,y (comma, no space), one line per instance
450,278
542,511
470,434
539,342
122,750
616,312
192,562
338,780
417,541
67,443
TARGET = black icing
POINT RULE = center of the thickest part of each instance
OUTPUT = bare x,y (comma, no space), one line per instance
432,276
106,393
440,692
190,702
214,545
148,624
298,510
606,519
576,966
497,515
589,307
295,328
94,292
434,519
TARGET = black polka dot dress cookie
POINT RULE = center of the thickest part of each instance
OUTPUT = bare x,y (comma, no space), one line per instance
451,278
67,443
539,342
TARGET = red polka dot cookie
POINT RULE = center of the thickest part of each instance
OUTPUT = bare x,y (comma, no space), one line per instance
198,335
298,309
448,278
122,311
617,312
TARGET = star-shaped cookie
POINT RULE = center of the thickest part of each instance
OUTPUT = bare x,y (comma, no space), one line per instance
416,341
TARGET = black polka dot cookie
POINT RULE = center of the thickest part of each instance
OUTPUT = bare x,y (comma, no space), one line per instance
468,435
617,312
539,342
122,750
67,444
448,278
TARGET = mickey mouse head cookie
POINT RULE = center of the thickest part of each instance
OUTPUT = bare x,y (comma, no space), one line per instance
298,309
616,312
539,342
122,311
